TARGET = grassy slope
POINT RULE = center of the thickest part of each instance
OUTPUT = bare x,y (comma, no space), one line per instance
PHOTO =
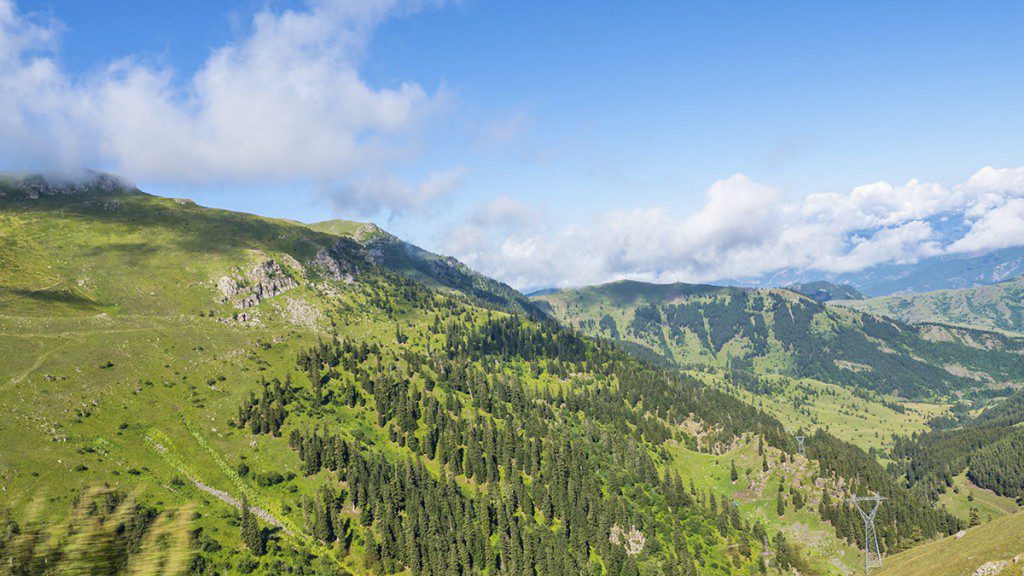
989,504
110,375
98,285
999,540
755,492
995,307
810,404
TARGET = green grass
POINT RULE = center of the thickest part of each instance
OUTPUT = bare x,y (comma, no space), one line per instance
999,540
341,227
109,375
781,332
989,504
755,493
809,404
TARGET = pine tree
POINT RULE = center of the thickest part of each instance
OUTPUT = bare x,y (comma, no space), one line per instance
252,536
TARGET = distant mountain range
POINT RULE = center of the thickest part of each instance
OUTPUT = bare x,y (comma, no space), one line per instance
937,273
942,272
823,291
780,331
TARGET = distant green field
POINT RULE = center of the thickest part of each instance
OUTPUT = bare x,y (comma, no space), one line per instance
809,404
776,331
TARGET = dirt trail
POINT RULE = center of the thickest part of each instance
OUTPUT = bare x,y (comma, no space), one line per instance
229,499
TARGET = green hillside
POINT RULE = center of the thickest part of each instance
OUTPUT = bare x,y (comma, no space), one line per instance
994,307
780,331
972,451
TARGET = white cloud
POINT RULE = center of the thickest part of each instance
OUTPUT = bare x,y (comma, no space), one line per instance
746,228
371,195
285,103
999,227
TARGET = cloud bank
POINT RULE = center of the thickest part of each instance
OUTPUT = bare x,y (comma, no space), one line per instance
746,228
285,103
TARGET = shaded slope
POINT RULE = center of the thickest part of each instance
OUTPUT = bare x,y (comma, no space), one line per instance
824,291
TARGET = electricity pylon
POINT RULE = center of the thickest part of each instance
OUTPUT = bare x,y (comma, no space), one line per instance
872,555
800,442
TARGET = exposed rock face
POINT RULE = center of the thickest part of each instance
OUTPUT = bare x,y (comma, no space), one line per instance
37,186
266,280
339,262
991,568
632,540
301,313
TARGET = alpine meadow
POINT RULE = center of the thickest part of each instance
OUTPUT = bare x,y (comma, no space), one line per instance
388,287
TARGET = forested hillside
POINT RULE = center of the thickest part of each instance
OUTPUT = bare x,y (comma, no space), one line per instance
987,447
779,331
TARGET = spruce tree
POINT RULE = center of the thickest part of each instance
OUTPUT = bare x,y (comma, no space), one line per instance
252,536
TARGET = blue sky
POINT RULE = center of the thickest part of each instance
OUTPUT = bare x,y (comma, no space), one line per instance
519,135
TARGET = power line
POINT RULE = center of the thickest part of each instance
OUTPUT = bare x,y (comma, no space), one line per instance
872,555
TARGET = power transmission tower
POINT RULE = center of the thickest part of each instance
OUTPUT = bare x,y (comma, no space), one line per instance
872,555
800,442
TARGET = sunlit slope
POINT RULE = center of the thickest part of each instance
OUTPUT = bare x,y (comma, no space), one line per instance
807,404
995,544
101,246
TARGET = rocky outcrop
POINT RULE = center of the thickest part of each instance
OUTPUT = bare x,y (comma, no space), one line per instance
35,187
991,568
265,280
340,261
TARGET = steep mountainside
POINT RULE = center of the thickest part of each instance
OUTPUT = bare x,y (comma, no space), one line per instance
779,331
823,291
327,408
986,447
995,307
176,249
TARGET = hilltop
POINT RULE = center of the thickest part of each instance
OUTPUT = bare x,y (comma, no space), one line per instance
66,245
